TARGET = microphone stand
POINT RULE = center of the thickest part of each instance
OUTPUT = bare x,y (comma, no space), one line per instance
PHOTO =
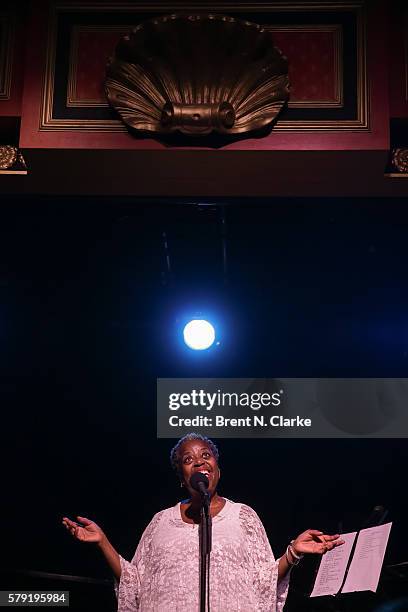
205,549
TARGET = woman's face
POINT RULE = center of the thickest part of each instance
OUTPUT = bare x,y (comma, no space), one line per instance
196,456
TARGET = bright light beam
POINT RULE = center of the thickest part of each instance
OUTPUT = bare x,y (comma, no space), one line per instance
199,334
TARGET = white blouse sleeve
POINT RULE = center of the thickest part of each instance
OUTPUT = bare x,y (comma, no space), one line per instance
128,589
271,593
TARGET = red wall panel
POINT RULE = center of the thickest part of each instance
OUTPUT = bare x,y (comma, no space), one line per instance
314,64
91,49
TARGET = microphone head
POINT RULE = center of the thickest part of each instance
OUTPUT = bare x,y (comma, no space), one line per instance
198,478
376,517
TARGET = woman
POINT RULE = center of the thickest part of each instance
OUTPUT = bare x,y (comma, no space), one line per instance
164,573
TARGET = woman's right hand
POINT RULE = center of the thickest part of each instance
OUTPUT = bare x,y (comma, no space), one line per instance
85,530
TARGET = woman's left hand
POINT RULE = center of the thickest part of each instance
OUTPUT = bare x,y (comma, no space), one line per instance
313,541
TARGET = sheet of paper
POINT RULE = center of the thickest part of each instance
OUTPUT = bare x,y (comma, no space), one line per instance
332,567
365,567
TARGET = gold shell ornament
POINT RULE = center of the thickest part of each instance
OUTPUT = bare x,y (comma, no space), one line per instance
197,74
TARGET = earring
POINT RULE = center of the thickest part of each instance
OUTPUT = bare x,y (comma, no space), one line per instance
219,473
181,484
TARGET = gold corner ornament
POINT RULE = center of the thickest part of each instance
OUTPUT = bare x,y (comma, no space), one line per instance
197,74
400,160
11,160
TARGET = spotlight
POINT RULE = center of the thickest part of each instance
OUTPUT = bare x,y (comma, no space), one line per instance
199,334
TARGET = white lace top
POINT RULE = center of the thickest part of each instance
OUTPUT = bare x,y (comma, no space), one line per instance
164,573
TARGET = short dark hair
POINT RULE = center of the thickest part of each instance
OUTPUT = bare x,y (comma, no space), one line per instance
174,458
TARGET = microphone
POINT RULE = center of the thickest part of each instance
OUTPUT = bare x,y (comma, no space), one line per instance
376,517
199,482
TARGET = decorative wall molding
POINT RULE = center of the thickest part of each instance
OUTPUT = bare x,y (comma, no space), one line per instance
349,111
7,29
405,42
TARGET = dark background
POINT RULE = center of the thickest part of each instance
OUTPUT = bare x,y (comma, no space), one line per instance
89,316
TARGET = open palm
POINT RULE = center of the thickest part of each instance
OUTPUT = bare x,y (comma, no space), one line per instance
84,530
316,542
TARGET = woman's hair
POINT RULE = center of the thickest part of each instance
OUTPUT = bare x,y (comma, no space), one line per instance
174,458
